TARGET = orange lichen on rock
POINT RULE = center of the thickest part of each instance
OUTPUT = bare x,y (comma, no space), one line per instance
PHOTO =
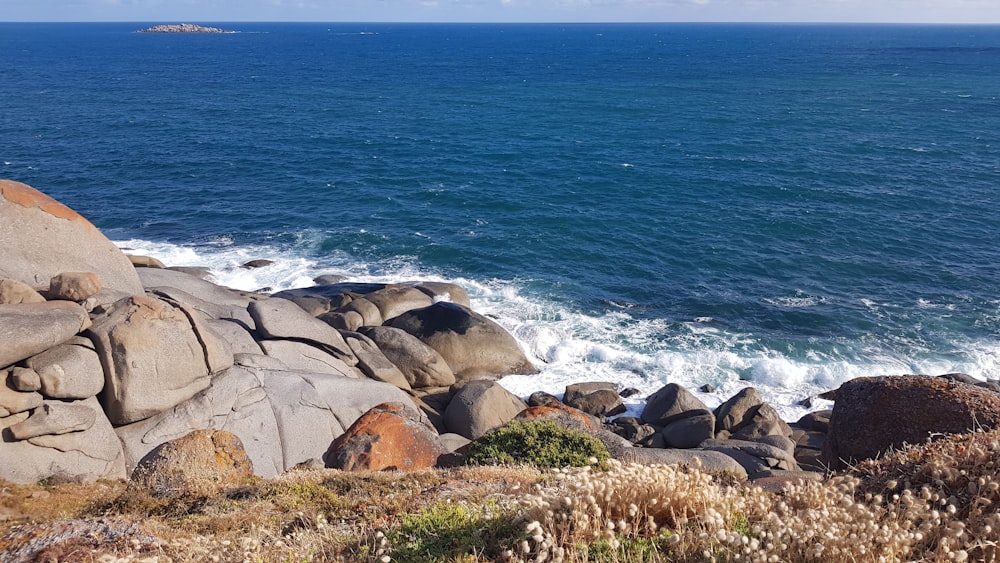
26,196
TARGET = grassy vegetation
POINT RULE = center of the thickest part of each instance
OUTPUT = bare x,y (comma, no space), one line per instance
539,443
935,502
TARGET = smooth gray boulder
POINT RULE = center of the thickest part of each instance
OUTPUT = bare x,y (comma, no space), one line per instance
24,379
154,356
42,238
600,403
236,334
302,356
87,456
281,319
233,308
370,314
471,344
373,363
27,329
69,371
576,391
444,291
671,402
708,461
422,366
13,402
735,412
690,431
396,300
14,292
55,417
480,406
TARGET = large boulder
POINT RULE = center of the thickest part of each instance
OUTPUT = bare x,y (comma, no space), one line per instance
373,362
480,406
201,462
282,319
69,371
444,291
873,414
471,344
283,418
389,436
41,238
304,356
154,356
83,456
27,329
671,402
421,365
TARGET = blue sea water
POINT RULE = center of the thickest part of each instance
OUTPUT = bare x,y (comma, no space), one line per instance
785,206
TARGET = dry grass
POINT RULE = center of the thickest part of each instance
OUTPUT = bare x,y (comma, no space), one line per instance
935,502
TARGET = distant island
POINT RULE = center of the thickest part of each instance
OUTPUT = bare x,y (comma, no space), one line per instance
183,28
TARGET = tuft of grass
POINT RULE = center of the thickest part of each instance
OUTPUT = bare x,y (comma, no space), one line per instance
542,443
449,531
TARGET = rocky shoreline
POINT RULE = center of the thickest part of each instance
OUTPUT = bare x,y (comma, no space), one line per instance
114,367
183,28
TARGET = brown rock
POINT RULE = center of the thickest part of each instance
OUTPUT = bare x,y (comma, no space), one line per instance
145,261
201,462
671,402
13,292
74,286
736,411
389,436
873,414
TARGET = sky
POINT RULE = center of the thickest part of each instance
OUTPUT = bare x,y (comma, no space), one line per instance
209,11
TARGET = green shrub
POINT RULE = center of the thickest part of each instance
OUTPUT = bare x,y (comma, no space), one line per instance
542,443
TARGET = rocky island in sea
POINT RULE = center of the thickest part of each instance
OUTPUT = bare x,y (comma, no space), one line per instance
183,28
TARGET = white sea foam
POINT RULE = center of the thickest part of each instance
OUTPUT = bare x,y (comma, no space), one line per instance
569,347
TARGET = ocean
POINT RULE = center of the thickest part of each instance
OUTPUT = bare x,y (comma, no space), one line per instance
783,206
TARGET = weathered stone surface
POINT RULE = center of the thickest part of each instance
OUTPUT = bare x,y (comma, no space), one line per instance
69,371
421,365
144,261
603,402
201,462
207,294
238,337
373,362
313,305
24,379
671,402
817,420
708,461
873,414
55,417
350,321
302,356
541,399
690,431
84,456
481,406
282,319
575,391
444,291
27,329
200,272
433,401
42,237
389,436
329,279
472,345
632,429
736,411
753,456
13,402
236,402
234,310
74,286
153,357
14,292
370,314
763,421
396,300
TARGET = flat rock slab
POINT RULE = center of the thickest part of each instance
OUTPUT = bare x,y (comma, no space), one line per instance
27,329
55,417
282,319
